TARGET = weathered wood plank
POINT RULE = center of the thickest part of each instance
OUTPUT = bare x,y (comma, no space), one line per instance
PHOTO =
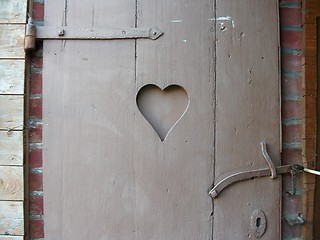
12,41
4,237
139,186
11,218
247,113
11,183
11,148
173,176
12,76
13,11
110,67
11,112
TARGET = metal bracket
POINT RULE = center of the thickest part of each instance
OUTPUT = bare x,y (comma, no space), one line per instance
69,33
258,173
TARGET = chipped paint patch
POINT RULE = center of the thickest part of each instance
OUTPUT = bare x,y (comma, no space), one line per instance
176,21
226,18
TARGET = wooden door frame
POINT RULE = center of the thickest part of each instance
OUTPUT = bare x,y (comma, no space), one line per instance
311,117
316,213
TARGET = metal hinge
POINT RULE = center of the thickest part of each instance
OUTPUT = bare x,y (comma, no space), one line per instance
271,171
68,33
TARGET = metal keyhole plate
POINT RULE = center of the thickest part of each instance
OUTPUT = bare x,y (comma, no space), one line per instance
258,223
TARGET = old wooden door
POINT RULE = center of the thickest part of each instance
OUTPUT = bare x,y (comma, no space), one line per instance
137,131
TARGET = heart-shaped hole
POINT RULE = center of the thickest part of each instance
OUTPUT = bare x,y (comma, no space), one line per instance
162,108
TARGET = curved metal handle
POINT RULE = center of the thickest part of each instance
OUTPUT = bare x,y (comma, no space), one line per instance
268,159
245,175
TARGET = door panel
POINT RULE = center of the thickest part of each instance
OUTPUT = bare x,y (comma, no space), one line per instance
88,127
247,113
107,173
173,176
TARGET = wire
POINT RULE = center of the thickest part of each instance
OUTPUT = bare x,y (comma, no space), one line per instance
311,171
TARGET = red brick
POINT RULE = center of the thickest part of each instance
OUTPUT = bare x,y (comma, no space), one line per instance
291,156
291,133
35,134
35,108
35,158
291,85
36,205
290,16
36,228
291,232
292,204
291,39
290,63
35,182
37,63
38,11
291,109
36,83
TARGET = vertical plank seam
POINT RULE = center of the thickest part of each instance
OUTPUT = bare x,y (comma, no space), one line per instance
214,105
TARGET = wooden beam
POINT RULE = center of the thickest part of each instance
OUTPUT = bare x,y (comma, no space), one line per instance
12,41
11,148
11,218
13,11
11,183
4,237
11,112
12,76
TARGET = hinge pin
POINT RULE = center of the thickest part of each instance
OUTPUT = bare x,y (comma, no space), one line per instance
30,37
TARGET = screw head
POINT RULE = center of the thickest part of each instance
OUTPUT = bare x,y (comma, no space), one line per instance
61,33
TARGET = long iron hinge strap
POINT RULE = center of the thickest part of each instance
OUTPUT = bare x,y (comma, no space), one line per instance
69,33
251,174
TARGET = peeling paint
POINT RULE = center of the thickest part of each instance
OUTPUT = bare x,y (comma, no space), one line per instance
226,18
176,21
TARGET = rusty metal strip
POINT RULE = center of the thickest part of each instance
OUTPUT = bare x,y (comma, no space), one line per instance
68,33
246,175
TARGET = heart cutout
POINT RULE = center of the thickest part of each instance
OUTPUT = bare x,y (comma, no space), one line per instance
162,108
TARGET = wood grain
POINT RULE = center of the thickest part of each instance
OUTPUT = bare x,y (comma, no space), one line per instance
13,11
248,112
11,183
12,76
12,41
11,218
11,112
11,148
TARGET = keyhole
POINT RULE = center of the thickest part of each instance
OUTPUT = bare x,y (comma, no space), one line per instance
258,222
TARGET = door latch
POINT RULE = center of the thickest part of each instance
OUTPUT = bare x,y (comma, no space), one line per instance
271,171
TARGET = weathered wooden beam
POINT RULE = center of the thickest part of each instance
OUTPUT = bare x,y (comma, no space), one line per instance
12,76
4,237
11,112
11,183
11,218
12,41
13,11
11,148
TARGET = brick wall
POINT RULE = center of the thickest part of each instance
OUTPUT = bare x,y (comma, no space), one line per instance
36,221
292,112
292,119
